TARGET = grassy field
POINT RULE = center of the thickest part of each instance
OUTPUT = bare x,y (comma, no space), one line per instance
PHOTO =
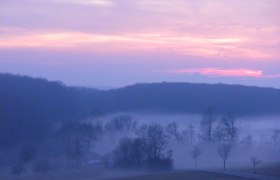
114,174
124,175
272,169
183,175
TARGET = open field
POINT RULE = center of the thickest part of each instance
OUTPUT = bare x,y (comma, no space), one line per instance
115,174
184,175
125,175
265,169
57,175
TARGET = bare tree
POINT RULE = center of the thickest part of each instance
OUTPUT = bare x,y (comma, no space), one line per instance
219,134
207,125
224,152
148,149
142,130
276,137
156,141
122,154
247,141
123,123
191,131
229,126
185,135
226,130
189,134
195,153
172,131
255,162
77,138
92,131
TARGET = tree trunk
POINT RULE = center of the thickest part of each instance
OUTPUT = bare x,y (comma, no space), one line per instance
224,165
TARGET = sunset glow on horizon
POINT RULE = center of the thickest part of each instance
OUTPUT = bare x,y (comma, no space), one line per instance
223,39
220,72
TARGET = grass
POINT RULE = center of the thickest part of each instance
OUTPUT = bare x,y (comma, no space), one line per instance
183,175
114,174
58,175
272,169
123,175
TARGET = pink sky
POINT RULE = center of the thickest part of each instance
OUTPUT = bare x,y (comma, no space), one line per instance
115,43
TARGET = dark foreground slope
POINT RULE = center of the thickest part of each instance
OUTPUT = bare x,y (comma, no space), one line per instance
30,106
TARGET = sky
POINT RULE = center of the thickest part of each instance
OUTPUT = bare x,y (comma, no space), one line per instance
113,43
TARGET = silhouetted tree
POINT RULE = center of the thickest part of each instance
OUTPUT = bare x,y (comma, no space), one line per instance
122,154
207,125
191,131
156,141
188,134
247,141
276,137
91,132
255,162
138,151
148,149
77,138
173,132
142,131
224,152
130,153
195,153
229,126
121,123
220,134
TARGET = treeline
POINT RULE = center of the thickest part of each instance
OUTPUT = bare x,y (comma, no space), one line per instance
135,145
73,144
194,98
30,107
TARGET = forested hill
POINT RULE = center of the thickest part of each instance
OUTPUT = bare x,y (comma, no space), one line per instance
194,98
61,102
29,107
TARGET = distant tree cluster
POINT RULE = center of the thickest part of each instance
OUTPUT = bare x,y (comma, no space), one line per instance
215,130
146,146
147,150
77,138
122,123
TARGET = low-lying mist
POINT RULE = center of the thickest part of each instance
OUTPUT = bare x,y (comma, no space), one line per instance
256,136
151,141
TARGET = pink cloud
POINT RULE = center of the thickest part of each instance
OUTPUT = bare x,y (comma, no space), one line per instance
219,29
221,72
222,46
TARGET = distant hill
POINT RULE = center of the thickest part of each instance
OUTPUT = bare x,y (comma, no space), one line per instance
27,102
194,98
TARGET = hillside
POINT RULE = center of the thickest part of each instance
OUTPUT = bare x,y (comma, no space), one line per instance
194,98
31,102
